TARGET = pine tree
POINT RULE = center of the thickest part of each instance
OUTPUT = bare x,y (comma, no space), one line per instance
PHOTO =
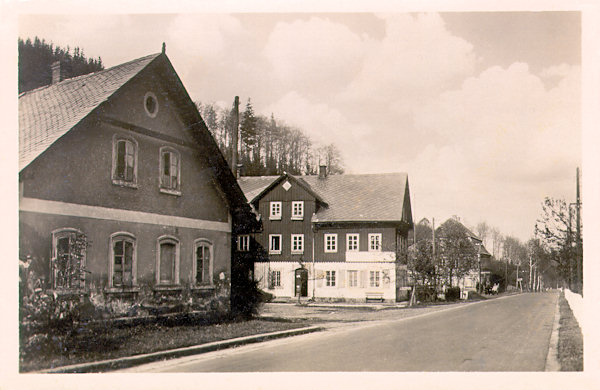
35,59
268,146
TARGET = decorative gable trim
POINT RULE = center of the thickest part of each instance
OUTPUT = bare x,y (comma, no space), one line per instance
294,180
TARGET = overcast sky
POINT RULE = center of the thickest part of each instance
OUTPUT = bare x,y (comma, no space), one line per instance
482,110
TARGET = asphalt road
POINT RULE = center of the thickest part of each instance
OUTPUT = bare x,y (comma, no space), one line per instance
505,334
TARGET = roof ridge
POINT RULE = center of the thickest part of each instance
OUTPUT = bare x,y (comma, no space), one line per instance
358,174
82,76
48,112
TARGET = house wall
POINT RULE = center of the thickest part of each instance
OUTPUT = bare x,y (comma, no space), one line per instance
317,280
286,226
70,186
37,242
393,237
388,240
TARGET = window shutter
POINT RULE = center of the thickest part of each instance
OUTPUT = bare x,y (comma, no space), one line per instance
363,278
320,277
130,160
341,278
121,157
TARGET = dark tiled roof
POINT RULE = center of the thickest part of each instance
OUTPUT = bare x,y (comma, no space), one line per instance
254,185
483,251
351,198
47,113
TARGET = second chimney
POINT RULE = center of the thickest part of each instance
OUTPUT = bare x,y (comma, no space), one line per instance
56,72
322,171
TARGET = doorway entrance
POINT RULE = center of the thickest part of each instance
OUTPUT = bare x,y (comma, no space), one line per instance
301,282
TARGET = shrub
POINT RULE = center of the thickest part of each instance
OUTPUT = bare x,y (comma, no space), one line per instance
452,293
246,299
426,294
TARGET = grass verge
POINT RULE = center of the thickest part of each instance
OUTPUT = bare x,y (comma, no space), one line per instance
99,342
570,339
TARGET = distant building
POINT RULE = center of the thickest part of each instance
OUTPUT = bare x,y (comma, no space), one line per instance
123,191
331,237
470,281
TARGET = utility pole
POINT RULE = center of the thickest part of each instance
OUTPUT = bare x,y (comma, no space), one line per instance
518,283
234,135
579,252
506,272
435,265
530,272
570,246
480,289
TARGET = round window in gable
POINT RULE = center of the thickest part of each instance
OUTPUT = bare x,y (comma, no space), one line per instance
151,104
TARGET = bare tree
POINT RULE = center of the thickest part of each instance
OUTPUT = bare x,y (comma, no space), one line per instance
497,241
458,254
555,231
483,230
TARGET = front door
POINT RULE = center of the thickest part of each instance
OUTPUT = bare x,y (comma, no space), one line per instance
301,282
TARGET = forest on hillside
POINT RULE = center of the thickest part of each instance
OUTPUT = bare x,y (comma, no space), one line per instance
35,58
268,146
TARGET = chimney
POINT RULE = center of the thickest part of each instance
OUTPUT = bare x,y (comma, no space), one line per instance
322,171
56,72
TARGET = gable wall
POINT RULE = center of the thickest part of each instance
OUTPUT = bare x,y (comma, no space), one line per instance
286,226
127,105
78,167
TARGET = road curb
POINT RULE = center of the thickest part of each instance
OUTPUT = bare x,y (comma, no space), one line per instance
130,361
552,363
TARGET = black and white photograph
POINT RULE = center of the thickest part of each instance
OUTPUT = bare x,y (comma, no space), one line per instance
302,191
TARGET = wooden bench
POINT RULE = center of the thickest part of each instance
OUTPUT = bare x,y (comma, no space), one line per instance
374,296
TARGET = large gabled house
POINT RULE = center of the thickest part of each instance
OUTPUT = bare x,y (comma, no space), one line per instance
122,189
330,237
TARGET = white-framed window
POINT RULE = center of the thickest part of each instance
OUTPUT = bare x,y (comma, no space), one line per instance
330,243
298,210
203,262
297,243
374,279
375,242
330,278
275,210
352,242
275,244
170,171
122,270
274,279
67,267
167,261
124,161
243,243
352,278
